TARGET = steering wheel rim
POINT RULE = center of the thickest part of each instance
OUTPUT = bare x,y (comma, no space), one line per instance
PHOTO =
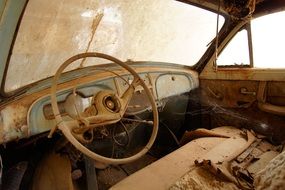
62,125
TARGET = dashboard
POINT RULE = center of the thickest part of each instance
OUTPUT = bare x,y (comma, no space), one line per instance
37,117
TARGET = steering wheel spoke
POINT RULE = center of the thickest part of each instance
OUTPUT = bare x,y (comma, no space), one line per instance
127,96
102,119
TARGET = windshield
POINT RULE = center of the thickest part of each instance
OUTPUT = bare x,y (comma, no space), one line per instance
141,30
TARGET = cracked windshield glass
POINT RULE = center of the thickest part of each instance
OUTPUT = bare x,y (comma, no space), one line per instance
52,31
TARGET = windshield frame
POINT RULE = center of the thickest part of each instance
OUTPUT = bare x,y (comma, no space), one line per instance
11,13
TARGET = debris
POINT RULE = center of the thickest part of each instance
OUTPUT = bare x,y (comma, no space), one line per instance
220,170
198,133
222,167
241,157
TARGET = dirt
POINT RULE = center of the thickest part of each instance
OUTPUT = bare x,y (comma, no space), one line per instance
200,179
273,175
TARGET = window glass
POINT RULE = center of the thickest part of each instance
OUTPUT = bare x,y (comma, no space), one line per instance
141,30
268,40
236,53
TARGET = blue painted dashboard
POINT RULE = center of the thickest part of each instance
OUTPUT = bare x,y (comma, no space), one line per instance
162,85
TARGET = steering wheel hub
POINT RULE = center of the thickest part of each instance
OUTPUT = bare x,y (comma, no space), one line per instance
111,103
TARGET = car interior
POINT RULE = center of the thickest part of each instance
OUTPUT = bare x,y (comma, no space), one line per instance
164,94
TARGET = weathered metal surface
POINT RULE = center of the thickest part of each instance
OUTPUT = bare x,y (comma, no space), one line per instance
13,123
232,96
229,92
276,93
243,74
22,127
10,12
264,105
241,110
242,9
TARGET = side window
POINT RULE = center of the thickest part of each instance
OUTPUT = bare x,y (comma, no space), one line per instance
236,52
268,41
267,35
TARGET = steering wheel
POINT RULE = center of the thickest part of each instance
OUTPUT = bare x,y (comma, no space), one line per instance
110,109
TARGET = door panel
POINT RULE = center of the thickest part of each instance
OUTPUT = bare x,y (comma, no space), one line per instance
229,93
240,103
276,93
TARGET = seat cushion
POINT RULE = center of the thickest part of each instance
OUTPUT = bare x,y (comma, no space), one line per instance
163,173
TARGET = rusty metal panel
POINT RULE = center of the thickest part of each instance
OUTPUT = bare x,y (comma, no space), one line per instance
228,93
15,116
13,123
10,12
